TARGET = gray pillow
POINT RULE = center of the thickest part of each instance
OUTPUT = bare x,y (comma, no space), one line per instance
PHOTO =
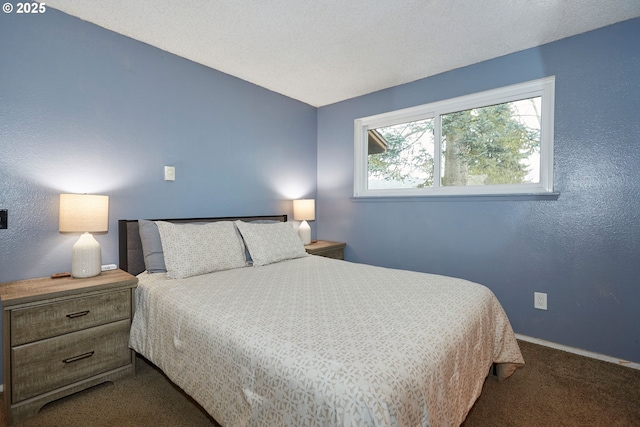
151,247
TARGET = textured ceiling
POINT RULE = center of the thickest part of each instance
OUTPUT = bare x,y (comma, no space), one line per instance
325,51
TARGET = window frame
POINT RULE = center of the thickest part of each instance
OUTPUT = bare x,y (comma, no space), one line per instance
544,88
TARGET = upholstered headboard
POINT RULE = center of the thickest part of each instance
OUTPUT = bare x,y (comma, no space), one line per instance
130,246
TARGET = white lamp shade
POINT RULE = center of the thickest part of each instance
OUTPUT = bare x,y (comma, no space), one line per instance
304,210
81,213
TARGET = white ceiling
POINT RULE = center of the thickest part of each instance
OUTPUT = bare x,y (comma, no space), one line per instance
325,51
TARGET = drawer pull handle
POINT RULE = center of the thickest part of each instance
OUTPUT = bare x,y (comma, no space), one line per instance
78,314
78,357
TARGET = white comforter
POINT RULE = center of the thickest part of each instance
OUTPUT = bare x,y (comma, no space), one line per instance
320,342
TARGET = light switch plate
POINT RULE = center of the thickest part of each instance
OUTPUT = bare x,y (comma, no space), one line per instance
169,173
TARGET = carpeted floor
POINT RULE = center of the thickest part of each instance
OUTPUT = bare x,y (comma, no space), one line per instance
558,389
554,389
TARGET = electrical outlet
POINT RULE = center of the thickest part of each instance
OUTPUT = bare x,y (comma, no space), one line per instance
3,219
540,300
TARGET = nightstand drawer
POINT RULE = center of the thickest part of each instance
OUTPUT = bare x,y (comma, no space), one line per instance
50,320
49,364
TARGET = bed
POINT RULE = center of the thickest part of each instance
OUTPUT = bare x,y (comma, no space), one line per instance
280,337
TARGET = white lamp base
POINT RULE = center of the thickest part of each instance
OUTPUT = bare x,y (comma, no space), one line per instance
86,258
304,231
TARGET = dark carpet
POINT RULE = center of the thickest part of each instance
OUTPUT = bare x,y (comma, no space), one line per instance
554,389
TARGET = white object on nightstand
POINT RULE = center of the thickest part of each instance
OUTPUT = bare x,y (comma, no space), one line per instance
84,213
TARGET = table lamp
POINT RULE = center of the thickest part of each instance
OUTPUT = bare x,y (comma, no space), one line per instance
304,210
86,214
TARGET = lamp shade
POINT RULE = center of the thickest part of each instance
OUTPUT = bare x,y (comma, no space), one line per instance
304,210
81,213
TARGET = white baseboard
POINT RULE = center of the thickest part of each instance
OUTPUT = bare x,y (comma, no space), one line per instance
579,351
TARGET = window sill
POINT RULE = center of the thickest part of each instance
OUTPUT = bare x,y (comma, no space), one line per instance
460,198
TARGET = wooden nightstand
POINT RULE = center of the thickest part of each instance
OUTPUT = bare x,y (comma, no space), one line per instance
326,249
60,336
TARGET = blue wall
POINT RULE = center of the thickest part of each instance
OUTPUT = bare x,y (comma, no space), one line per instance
582,249
83,109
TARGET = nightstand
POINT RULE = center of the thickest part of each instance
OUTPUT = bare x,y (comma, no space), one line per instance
326,249
61,336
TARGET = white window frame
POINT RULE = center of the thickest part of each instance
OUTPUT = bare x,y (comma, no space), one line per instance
544,88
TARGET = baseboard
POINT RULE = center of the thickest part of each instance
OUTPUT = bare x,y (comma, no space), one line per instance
579,351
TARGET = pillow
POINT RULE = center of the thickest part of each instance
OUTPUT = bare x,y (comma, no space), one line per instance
193,249
247,255
151,247
269,243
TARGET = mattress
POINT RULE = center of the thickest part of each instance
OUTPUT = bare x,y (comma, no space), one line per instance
321,342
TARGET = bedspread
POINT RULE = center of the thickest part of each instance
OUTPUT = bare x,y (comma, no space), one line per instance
321,342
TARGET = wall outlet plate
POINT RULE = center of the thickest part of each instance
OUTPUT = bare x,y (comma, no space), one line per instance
540,300
3,219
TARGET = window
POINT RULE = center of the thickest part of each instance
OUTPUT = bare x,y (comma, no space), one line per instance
488,143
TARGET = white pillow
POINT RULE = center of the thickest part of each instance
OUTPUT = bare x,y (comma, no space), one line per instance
193,249
269,243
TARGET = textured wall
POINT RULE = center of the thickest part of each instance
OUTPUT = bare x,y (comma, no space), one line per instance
582,249
86,110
